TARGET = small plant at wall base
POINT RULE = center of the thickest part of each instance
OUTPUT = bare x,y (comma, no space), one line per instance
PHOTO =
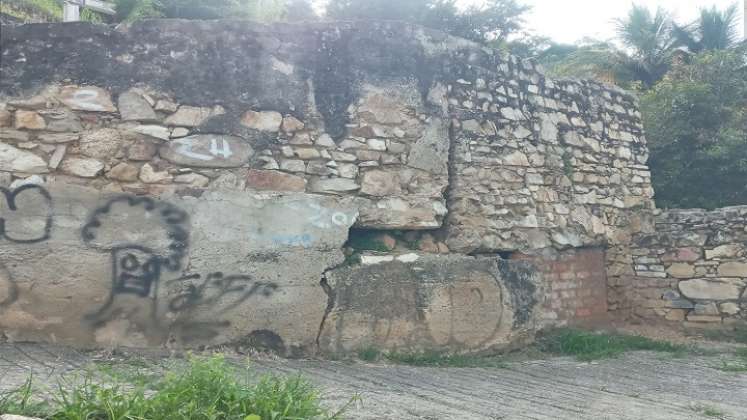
207,388
587,346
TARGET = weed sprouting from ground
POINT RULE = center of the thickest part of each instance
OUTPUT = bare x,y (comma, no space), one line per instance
205,389
21,401
709,411
736,366
438,359
430,358
369,354
586,346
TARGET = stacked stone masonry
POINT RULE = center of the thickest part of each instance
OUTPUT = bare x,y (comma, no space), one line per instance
187,183
694,268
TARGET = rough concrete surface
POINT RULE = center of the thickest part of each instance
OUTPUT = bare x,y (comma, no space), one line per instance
171,271
417,302
636,386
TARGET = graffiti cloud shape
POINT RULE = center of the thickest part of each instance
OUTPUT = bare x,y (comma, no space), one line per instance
25,214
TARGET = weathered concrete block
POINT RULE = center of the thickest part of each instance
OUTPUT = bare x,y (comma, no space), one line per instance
418,302
141,271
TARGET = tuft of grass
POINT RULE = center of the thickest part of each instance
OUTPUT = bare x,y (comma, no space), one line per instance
709,411
21,401
369,354
587,346
439,359
204,389
738,366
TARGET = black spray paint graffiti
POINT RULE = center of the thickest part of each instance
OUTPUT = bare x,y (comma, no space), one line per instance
144,238
214,287
17,225
216,291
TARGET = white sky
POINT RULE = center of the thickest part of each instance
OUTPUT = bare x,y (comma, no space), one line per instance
571,20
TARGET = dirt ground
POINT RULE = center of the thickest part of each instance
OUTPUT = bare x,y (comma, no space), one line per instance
636,386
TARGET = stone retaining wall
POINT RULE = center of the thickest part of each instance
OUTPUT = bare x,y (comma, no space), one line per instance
231,159
694,268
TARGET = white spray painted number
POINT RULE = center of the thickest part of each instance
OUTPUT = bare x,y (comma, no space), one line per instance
85,98
321,217
224,151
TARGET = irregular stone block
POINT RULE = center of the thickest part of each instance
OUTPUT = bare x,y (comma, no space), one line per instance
733,269
262,121
55,138
84,168
703,318
14,135
380,183
681,270
711,289
208,151
291,124
274,181
29,120
16,160
195,180
724,251
332,185
149,175
406,212
431,151
133,107
156,131
448,303
62,121
729,308
101,144
87,98
124,172
192,116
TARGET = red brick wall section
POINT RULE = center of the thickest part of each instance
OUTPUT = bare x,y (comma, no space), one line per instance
575,285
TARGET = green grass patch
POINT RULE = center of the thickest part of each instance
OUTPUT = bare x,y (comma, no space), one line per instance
587,346
429,358
369,354
22,401
440,359
709,411
204,389
736,366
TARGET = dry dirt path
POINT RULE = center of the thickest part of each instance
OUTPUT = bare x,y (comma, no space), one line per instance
636,386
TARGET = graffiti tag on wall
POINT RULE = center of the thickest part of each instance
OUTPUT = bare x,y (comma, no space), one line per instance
25,214
144,237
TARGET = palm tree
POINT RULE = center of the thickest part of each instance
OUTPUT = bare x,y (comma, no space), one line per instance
713,30
650,39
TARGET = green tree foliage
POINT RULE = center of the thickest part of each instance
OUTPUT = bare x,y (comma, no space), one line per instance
591,59
131,10
696,124
649,37
261,10
714,30
493,21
